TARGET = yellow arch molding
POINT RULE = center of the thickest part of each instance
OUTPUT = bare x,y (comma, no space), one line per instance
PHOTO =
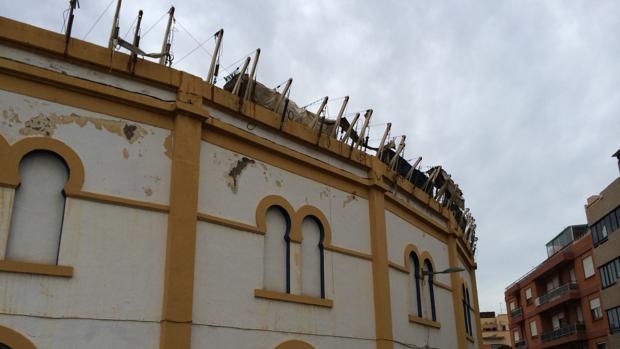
18,150
408,249
14,339
268,202
294,344
424,256
306,211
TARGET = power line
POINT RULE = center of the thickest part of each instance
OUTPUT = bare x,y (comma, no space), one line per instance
98,19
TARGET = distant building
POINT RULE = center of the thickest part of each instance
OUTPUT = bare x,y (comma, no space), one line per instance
558,303
603,213
495,333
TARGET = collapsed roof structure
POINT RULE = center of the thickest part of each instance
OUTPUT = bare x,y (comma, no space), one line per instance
435,181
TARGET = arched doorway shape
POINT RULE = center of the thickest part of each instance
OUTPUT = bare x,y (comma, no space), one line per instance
294,344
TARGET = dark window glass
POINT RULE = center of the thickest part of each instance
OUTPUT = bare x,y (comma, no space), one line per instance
613,317
416,273
613,221
431,288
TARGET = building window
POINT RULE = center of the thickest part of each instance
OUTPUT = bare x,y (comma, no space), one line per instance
513,306
312,258
588,267
517,336
610,272
467,311
579,314
601,345
595,308
414,276
528,295
533,329
38,210
605,226
613,317
431,288
277,265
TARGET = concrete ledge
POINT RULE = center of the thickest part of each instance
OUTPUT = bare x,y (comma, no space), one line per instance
293,298
36,269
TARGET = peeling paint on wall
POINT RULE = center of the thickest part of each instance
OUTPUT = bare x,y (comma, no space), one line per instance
168,146
324,193
350,198
45,125
125,153
147,191
10,118
235,172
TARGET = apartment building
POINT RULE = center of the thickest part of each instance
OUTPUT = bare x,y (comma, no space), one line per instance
603,213
558,303
495,331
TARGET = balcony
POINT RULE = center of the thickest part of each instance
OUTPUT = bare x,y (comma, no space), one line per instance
556,293
521,344
565,334
516,314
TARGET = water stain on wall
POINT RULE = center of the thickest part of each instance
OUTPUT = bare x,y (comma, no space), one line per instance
125,153
236,171
45,125
350,198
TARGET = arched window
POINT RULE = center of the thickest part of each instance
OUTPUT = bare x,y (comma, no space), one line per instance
277,266
467,311
414,277
3,346
38,209
312,258
428,266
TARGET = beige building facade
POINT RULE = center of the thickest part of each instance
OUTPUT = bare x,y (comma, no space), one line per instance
603,213
142,207
495,330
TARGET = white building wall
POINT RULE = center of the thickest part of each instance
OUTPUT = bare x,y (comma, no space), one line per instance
72,333
234,259
236,198
121,158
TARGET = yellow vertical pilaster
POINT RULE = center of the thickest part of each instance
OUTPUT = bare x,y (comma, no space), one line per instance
380,270
474,289
456,294
181,239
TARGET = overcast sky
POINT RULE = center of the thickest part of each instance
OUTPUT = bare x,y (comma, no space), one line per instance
518,100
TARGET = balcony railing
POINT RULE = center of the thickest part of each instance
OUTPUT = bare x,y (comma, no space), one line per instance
563,331
516,312
521,344
556,293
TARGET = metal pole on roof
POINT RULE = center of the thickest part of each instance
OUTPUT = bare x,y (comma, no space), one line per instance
287,86
165,47
237,86
73,4
388,127
401,147
413,167
346,136
319,112
249,88
115,26
218,43
136,35
360,139
339,117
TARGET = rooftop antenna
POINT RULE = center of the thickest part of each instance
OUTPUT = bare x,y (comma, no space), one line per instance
115,25
218,44
346,136
287,86
249,88
339,117
72,4
360,139
401,146
235,90
319,112
388,127
413,167
165,47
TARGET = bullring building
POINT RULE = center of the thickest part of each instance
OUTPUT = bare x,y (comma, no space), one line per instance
144,207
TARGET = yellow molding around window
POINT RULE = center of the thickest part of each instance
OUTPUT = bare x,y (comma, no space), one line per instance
293,298
424,322
36,269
